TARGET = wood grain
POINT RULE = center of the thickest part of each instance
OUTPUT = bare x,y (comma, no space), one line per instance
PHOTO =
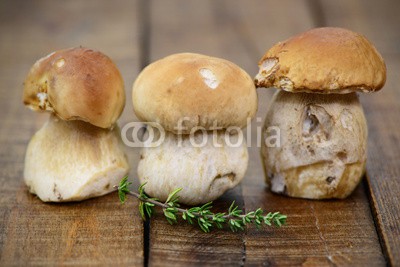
377,22
186,245
97,231
102,232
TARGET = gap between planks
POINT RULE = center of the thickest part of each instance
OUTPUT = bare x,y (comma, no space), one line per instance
143,15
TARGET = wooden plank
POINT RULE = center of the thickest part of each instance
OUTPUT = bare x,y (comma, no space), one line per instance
96,231
319,233
193,26
186,245
316,234
378,21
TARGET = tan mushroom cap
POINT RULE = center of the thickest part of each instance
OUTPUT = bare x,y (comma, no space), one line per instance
323,60
76,84
200,90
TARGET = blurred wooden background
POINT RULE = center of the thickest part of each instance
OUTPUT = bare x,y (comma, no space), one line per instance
363,230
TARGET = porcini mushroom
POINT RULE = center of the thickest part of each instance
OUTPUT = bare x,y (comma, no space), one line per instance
78,153
323,131
184,93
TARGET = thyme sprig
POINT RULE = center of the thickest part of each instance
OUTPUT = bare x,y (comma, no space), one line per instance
202,216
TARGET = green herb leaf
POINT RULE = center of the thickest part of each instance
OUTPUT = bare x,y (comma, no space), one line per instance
206,219
141,210
123,189
173,197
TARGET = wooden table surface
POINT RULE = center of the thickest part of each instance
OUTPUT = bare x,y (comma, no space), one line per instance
362,230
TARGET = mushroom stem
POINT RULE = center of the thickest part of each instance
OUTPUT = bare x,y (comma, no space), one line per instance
323,140
205,165
73,160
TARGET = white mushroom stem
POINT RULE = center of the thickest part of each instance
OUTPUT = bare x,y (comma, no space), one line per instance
323,140
204,173
73,160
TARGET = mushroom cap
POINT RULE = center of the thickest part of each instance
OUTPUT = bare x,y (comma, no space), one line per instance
74,160
204,173
76,84
196,90
323,60
322,147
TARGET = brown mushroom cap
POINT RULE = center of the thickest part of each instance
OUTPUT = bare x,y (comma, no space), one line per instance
323,60
205,91
76,84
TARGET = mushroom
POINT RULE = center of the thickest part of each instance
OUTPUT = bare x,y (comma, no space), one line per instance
323,132
202,102
204,173
78,153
